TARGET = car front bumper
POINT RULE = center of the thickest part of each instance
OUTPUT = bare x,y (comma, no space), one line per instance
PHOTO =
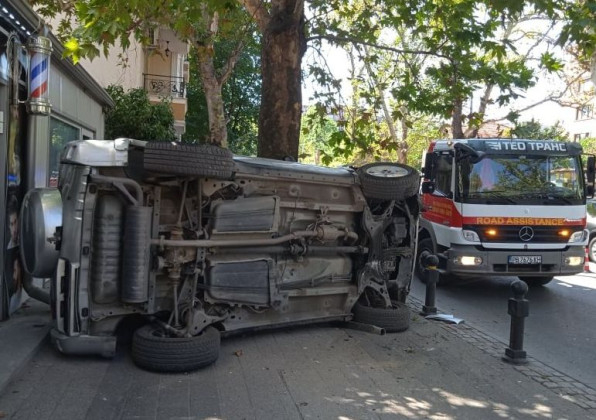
104,346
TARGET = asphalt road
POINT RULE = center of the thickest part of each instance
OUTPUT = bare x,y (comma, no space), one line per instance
561,328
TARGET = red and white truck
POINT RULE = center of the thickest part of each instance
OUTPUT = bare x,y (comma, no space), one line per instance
506,207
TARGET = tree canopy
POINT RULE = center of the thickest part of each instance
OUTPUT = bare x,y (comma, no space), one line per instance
441,59
533,130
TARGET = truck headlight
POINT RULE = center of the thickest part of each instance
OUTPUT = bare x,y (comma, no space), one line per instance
578,236
467,260
574,260
470,235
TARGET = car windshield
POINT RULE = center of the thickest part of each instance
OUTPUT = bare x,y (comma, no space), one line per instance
530,179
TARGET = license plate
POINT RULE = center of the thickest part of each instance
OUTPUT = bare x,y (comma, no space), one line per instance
525,259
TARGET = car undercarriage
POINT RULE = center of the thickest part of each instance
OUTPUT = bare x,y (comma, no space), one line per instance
202,243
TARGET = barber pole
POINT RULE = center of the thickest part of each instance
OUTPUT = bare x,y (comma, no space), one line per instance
39,75
40,49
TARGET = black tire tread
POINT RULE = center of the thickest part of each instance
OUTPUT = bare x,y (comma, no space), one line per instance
173,354
395,319
389,188
204,160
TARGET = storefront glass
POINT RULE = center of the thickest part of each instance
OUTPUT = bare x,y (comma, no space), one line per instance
12,106
60,134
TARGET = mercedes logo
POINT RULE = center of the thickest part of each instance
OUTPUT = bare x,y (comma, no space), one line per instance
526,233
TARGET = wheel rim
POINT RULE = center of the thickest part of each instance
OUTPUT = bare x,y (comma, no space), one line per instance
593,251
387,171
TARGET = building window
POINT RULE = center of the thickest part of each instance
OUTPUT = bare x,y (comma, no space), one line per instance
585,112
60,134
579,136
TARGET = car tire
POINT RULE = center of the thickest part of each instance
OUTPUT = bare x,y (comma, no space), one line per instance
389,181
394,319
536,281
155,351
592,249
202,160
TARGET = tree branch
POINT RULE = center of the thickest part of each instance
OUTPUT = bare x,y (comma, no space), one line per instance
343,40
256,8
228,68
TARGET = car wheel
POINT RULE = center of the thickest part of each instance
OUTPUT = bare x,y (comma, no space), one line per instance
394,319
536,281
203,160
592,249
388,181
152,349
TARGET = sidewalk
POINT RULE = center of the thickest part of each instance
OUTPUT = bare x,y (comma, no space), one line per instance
20,338
433,370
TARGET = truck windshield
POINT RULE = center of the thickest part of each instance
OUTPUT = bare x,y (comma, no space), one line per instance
530,179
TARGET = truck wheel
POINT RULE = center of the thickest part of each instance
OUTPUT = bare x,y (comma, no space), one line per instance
592,249
394,319
154,350
536,281
388,181
203,160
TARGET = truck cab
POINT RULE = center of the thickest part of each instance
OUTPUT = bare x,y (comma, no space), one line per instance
504,207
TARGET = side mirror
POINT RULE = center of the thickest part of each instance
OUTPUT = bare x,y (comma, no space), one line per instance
590,175
428,187
429,165
477,157
463,151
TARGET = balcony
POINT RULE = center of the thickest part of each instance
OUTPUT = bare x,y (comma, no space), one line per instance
164,86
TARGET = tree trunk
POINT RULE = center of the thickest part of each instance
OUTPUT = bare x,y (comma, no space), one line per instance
473,132
456,119
281,96
403,149
218,132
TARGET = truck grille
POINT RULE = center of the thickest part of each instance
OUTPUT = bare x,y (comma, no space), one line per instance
511,234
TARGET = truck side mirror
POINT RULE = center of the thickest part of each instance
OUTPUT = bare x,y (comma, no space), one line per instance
429,166
428,187
463,151
590,175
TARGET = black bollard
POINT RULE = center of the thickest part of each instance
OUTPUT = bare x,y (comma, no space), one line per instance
519,308
430,263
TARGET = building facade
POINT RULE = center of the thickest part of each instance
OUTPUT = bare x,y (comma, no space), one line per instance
160,68
32,140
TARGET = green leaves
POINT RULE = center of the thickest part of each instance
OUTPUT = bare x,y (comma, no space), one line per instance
550,63
135,116
423,58
534,130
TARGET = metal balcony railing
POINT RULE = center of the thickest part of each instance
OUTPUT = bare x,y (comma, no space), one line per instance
167,86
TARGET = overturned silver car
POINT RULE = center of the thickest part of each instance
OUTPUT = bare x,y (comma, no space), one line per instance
202,244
